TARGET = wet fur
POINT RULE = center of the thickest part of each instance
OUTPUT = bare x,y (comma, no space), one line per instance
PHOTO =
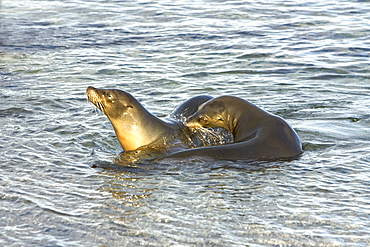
258,135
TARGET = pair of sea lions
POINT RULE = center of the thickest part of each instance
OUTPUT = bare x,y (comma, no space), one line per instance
258,135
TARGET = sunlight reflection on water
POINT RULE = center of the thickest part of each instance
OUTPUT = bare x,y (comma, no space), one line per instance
304,61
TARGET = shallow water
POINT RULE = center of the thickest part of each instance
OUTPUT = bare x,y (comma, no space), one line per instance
306,61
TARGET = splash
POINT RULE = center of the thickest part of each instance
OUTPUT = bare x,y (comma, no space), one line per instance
210,136
199,137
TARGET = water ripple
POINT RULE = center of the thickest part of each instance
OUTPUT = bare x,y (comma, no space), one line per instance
304,61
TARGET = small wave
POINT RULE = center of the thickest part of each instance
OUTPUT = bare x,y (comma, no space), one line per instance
307,146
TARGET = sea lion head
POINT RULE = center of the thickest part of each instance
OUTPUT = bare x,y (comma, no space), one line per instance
127,115
113,103
210,114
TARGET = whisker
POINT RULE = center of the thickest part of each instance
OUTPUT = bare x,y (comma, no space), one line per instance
94,98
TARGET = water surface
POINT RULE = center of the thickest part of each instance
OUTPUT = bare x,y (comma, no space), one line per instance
306,61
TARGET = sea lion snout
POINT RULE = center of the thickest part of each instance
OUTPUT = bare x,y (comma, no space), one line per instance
92,95
194,125
89,90
196,121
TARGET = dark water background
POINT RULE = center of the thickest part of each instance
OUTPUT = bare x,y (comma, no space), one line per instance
306,61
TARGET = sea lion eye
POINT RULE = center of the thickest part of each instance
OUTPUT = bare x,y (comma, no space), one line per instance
111,98
203,120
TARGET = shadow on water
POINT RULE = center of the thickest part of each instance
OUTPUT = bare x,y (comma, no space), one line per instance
191,164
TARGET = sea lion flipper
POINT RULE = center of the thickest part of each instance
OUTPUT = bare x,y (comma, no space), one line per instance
232,151
189,107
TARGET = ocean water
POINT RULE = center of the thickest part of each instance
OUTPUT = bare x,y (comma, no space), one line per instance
306,61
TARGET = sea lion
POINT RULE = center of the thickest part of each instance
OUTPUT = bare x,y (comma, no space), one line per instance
189,107
258,135
135,127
